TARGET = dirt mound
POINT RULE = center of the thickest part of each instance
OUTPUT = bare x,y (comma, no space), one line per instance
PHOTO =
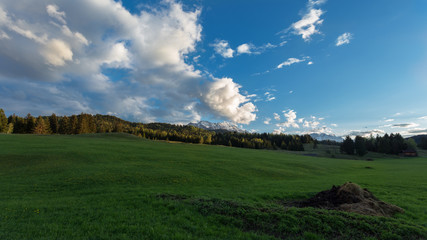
350,197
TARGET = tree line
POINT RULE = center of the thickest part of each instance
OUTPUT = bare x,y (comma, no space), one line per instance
388,144
87,123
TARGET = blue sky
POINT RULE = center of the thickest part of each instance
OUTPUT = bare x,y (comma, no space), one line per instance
336,67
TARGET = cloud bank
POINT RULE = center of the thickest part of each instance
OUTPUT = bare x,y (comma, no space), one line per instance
95,56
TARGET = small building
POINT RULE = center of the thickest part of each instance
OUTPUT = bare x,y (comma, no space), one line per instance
409,153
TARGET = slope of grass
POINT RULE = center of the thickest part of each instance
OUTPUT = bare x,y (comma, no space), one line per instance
107,186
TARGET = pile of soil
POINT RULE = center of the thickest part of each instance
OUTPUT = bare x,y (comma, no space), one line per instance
350,197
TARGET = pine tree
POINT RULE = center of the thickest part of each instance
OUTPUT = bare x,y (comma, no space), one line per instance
3,122
53,122
30,123
360,146
347,146
40,126
73,125
64,125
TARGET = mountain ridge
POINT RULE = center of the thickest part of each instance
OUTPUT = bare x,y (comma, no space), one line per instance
221,126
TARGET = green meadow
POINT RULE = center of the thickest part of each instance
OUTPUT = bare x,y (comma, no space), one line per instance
117,186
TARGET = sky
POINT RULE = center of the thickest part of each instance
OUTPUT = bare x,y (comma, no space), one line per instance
343,67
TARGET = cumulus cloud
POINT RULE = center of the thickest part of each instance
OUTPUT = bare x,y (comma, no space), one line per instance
389,120
72,47
276,116
334,125
423,118
223,48
344,39
267,121
291,119
312,123
244,48
307,125
291,61
57,52
118,56
222,96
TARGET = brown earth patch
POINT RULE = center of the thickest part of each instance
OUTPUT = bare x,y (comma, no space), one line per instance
350,197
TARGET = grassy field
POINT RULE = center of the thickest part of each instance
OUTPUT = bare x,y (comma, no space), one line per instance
119,186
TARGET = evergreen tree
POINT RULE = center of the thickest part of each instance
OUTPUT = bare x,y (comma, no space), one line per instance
360,146
30,123
423,143
347,146
40,126
53,122
64,123
9,128
72,129
19,125
3,122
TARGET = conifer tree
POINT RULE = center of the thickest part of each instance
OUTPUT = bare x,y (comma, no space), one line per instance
53,122
40,126
64,125
73,125
360,146
347,146
3,122
30,123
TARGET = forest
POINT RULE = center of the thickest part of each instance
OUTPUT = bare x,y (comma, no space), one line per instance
88,123
388,144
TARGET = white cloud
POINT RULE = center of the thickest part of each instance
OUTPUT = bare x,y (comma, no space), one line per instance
57,52
366,133
280,130
334,125
244,48
310,63
314,3
306,27
276,116
344,39
54,12
267,121
69,45
423,118
222,48
389,120
291,61
222,96
269,96
291,121
118,57
313,123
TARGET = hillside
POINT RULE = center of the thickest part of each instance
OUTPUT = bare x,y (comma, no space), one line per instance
118,186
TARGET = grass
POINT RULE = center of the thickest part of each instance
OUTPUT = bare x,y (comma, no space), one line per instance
117,186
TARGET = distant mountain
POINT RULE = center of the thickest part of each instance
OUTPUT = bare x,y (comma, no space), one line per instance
223,126
323,136
418,138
